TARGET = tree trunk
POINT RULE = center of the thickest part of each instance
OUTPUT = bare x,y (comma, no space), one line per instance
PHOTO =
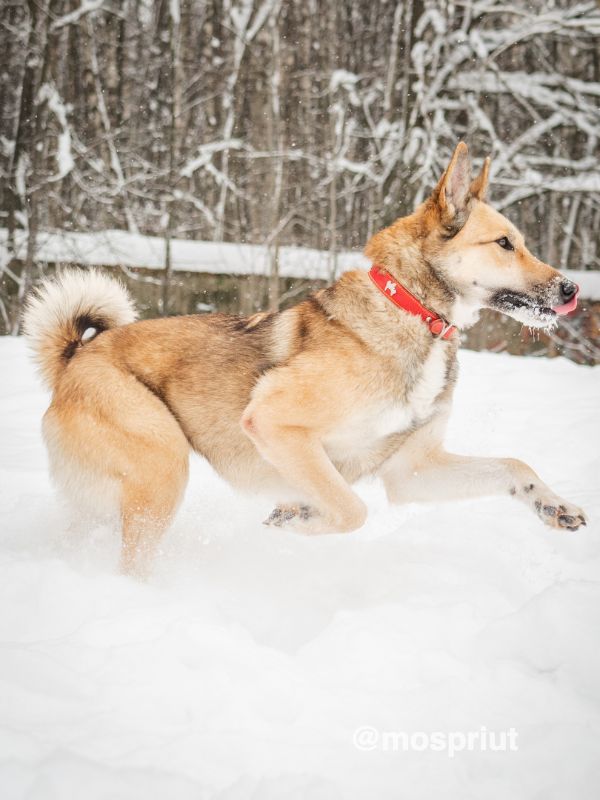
174,113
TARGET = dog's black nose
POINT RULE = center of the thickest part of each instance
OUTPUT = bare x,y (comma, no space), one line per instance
567,290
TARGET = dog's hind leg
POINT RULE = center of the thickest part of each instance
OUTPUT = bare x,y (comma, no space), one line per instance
149,500
152,486
115,443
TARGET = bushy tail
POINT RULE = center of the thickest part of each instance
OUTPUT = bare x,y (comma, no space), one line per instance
58,313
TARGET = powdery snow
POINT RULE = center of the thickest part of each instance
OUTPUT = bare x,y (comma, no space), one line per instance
245,665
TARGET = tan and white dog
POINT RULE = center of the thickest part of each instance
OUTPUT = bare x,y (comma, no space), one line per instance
356,380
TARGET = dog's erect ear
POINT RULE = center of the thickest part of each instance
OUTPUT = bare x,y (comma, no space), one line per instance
480,183
453,192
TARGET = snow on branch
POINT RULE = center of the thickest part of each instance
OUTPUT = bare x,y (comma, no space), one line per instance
64,155
205,154
537,183
87,7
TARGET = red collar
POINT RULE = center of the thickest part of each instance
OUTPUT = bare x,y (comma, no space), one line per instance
401,297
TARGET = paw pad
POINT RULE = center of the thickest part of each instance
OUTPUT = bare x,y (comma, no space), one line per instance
279,516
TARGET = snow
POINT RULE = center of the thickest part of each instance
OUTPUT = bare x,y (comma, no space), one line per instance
114,248
175,11
64,156
243,668
342,77
205,154
87,7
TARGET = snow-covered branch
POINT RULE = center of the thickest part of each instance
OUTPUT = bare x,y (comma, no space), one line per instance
87,7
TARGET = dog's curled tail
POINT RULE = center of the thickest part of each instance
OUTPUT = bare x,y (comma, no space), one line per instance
60,311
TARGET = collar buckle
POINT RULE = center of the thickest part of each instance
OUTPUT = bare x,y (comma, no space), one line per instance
439,327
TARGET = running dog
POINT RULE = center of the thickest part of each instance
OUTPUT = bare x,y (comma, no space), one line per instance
355,380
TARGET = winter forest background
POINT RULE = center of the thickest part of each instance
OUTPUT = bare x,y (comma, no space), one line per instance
288,122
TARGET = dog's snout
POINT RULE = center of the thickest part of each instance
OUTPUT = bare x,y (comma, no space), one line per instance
567,290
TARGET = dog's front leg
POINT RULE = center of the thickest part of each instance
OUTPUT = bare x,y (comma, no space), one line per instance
298,455
438,475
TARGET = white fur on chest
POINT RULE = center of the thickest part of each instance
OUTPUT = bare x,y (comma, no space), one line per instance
357,434
430,383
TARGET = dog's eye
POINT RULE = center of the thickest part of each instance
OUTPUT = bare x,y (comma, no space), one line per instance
505,243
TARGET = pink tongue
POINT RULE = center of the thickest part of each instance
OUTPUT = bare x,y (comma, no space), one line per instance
566,308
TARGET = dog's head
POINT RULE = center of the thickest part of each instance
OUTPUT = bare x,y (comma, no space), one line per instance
480,255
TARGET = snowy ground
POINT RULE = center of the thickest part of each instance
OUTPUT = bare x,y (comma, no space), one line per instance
245,666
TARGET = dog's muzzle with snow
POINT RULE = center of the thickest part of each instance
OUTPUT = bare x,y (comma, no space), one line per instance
540,308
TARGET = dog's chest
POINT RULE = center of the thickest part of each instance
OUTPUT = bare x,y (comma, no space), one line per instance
359,433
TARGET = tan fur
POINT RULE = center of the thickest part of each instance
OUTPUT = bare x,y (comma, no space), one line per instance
298,404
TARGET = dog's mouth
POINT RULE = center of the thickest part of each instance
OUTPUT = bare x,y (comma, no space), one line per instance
566,308
538,311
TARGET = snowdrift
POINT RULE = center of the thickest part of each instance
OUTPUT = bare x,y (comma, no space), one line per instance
245,667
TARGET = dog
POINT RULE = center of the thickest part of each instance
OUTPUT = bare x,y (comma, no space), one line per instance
355,380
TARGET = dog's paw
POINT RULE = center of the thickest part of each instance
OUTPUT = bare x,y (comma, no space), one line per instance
283,515
559,514
299,519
